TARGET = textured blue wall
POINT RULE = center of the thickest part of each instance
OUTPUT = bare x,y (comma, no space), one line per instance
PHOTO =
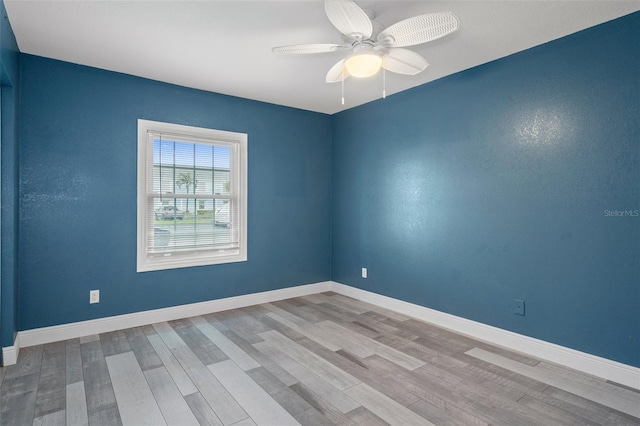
78,194
9,78
460,195
492,185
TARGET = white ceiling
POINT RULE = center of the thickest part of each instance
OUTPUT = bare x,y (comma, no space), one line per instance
225,46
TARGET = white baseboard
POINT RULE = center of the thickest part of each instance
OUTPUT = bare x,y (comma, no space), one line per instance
601,367
587,363
10,353
56,333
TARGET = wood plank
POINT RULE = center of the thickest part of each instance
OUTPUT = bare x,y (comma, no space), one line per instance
295,405
135,400
314,298
481,371
199,344
278,326
474,399
333,343
361,328
168,335
335,313
364,307
97,381
376,324
384,407
386,378
409,347
175,370
395,356
578,377
449,400
148,330
559,416
219,325
302,310
365,371
240,321
328,410
616,384
364,417
76,404
56,418
303,327
202,410
240,357
329,393
621,400
142,349
18,399
107,417
245,422
314,363
434,414
349,304
224,406
442,345
258,404
447,338
498,384
52,383
516,356
429,389
29,362
73,362
328,312
174,408
114,342
90,338
261,358
577,404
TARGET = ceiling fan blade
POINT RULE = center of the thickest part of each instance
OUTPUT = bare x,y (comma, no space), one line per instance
419,29
348,18
404,61
337,73
303,49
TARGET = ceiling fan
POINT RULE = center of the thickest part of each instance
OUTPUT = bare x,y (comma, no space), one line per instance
373,47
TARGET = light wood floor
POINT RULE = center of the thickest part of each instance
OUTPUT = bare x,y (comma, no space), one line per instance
315,360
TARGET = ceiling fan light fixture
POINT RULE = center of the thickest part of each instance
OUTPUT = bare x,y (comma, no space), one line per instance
364,65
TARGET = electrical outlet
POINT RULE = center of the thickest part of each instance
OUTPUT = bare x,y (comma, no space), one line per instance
94,296
364,272
518,307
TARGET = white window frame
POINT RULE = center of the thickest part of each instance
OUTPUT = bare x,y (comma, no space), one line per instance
147,262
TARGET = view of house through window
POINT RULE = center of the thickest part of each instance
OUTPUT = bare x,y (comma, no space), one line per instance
193,198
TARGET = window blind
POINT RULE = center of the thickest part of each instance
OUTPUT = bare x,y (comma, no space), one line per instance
192,196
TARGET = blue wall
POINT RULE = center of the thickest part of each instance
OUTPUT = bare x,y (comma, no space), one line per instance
78,142
460,195
492,184
9,80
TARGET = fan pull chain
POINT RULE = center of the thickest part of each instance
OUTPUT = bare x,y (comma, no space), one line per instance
342,83
384,83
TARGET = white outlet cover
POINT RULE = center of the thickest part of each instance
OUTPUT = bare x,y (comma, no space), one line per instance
364,272
94,296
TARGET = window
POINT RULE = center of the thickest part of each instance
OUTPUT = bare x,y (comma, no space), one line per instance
192,196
